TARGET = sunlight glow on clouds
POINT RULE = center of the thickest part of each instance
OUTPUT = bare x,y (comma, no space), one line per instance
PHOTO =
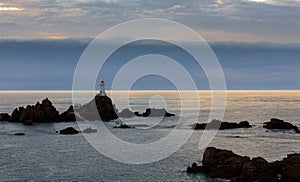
3,8
259,1
49,35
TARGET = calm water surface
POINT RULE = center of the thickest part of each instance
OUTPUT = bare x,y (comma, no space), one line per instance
44,155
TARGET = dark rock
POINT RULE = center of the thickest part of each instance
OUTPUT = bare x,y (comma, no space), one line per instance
138,114
46,112
194,168
123,125
19,134
38,113
68,131
244,124
126,113
199,126
152,112
219,163
28,122
216,124
103,105
4,117
15,115
68,115
275,123
89,130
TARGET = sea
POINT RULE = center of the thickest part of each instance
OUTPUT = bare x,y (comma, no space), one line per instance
43,155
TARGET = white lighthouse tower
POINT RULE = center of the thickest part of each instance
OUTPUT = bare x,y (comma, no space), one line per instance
102,88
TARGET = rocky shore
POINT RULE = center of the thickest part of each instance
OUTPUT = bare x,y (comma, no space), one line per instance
224,164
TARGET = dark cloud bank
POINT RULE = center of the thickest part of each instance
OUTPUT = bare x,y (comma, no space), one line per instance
49,65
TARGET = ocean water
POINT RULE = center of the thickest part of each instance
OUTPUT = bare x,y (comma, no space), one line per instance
43,155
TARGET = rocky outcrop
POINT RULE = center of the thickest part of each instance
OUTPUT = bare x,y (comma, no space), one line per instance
68,131
152,112
38,113
217,124
68,115
275,123
101,104
45,112
225,164
4,117
19,134
126,113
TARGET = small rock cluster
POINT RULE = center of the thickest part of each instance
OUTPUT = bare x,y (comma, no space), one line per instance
150,112
217,124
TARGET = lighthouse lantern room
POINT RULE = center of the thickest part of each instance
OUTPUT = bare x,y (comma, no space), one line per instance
102,88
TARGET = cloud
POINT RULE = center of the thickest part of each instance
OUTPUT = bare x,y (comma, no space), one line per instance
72,12
9,7
50,35
3,8
278,2
241,20
177,6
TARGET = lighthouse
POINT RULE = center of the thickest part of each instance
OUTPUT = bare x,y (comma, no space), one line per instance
102,89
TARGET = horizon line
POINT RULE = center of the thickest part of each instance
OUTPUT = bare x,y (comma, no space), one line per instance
92,38
240,90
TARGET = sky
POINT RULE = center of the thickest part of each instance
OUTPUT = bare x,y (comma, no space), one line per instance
257,42
215,20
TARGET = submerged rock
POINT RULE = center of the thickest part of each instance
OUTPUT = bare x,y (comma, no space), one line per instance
68,131
4,117
220,163
275,123
217,124
89,130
